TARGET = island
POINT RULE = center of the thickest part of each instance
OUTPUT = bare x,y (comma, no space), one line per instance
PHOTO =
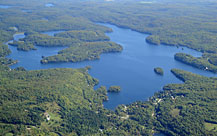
158,71
114,89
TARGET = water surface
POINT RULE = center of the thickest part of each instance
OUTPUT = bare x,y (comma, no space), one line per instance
26,11
131,69
49,5
5,6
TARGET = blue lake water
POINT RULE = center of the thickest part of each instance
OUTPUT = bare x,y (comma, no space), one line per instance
49,5
5,6
131,69
26,11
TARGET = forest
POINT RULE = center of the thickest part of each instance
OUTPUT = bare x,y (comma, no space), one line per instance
201,62
27,97
84,51
59,102
23,46
85,36
187,24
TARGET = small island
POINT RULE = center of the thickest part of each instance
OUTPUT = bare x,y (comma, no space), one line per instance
158,71
114,89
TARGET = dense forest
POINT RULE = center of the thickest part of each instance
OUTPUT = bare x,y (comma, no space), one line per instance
24,46
83,51
61,102
189,108
203,63
85,36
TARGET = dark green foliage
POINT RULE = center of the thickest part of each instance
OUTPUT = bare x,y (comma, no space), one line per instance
84,51
85,36
184,23
35,22
17,114
158,71
25,94
6,61
153,39
68,95
84,121
211,57
114,89
4,50
102,93
20,69
201,63
213,60
141,112
49,41
24,46
5,35
175,23
185,108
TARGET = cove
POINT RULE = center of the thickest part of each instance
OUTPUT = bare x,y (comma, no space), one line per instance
131,69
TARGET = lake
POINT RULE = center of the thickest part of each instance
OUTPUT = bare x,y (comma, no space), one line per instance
26,11
49,5
132,69
5,6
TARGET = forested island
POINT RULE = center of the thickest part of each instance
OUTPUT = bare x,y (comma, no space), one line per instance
158,71
114,89
63,101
